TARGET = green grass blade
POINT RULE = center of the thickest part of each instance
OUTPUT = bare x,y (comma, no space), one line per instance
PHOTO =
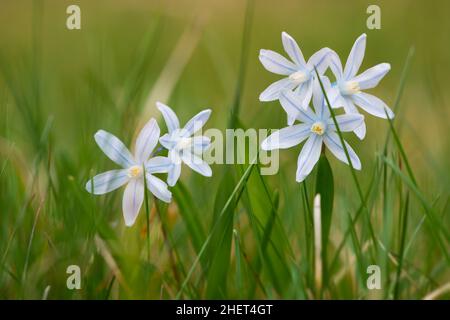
190,215
233,198
437,226
234,114
219,249
352,169
401,88
237,253
402,248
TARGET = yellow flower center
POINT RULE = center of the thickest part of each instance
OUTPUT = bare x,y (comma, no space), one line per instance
349,87
135,171
318,128
298,77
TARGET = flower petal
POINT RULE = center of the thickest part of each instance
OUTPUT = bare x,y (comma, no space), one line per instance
174,174
361,131
276,63
175,170
200,144
371,77
168,140
292,49
334,144
372,105
287,137
169,116
319,60
147,141
335,97
174,156
319,102
114,148
132,200
305,92
292,104
318,99
158,165
355,57
158,188
308,157
107,181
350,108
347,122
196,164
272,92
196,123
335,65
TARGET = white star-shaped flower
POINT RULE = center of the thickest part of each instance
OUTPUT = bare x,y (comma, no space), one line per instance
300,74
316,128
182,145
132,173
347,91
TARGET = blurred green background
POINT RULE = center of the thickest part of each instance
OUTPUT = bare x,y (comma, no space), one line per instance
59,86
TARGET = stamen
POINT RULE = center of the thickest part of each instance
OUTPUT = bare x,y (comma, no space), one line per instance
318,128
135,171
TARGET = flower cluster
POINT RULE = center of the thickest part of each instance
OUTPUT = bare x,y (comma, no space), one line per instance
181,144
300,86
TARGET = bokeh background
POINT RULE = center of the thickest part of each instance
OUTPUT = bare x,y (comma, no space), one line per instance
59,86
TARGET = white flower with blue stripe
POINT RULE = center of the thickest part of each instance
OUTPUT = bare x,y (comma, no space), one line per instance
182,145
299,73
347,90
132,172
317,128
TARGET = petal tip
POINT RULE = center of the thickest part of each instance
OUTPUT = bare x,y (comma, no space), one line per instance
88,186
284,34
129,223
171,182
208,174
262,97
300,177
161,106
360,135
99,132
168,200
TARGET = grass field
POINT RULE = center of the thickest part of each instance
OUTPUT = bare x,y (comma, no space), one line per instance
237,234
